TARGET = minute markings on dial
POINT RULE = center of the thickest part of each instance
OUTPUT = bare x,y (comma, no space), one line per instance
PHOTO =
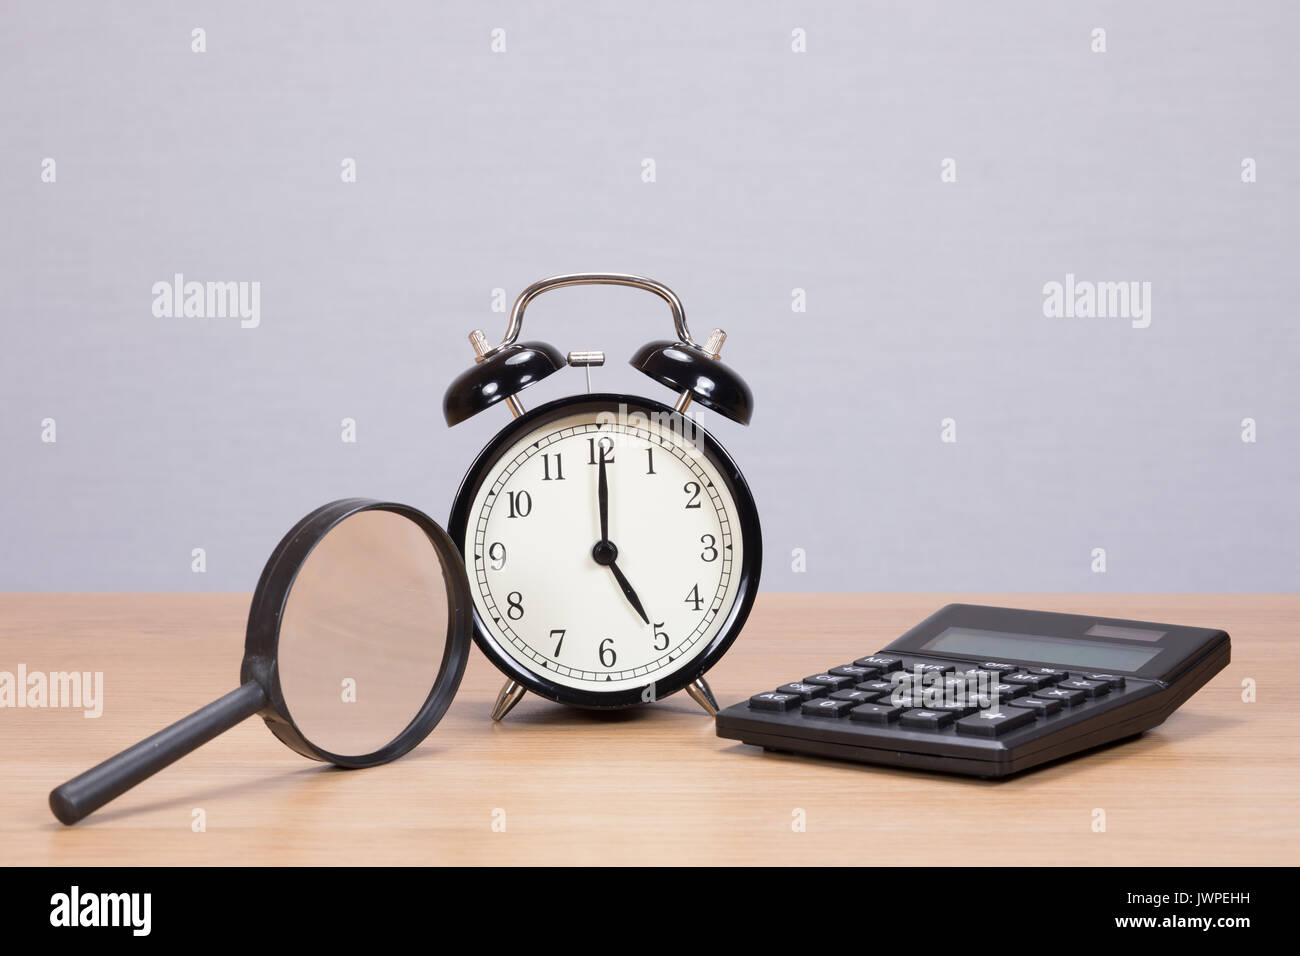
505,631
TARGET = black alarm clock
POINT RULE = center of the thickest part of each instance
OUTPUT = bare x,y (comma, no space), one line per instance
613,546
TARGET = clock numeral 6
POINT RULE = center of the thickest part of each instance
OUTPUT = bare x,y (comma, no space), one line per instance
497,554
607,656
692,488
514,605
660,634
710,552
521,504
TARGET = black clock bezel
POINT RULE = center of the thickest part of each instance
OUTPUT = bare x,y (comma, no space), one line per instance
746,518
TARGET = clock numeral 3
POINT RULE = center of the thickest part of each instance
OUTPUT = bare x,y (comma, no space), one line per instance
607,656
514,605
710,552
521,504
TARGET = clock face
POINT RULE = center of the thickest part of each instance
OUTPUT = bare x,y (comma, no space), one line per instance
600,613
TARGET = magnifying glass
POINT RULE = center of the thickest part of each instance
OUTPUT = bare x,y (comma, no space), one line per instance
357,638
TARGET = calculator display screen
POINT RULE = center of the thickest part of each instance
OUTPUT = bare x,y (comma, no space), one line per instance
1036,647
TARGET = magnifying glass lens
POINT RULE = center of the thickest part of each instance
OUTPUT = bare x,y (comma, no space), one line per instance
364,631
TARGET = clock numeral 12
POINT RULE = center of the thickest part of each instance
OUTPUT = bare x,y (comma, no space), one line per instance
606,446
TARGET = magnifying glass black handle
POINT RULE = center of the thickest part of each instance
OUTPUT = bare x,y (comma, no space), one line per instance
87,792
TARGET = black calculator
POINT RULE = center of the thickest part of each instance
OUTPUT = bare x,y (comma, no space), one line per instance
986,691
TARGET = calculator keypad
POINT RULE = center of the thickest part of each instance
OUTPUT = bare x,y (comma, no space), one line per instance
985,699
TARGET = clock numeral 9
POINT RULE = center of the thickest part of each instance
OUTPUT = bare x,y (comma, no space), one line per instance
521,504
514,605
692,488
710,552
607,656
660,634
606,446
497,554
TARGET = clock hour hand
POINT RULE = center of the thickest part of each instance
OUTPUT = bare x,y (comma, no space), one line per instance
628,592
606,554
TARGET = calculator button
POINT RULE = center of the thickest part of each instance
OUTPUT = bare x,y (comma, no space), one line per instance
833,681
957,709
875,713
804,691
886,664
1052,672
1064,694
1114,681
1035,681
989,723
1041,706
1007,691
876,687
997,668
854,671
926,667
1092,688
926,719
826,707
978,676
775,700
857,696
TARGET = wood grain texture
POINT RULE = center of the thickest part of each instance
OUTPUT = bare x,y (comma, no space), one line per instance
1216,784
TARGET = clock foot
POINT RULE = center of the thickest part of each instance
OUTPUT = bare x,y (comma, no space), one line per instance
510,694
702,694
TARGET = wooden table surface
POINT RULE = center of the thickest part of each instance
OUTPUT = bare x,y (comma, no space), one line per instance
1218,783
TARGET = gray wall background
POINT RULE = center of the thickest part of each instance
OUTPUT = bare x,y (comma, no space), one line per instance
775,170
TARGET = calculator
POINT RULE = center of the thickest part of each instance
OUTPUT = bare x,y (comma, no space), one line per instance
986,691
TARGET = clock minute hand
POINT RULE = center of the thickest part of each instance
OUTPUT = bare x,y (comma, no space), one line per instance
602,498
628,592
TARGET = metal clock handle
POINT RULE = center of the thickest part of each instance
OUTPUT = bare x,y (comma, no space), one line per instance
584,278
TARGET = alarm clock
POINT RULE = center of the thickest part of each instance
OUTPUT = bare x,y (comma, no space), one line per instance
613,546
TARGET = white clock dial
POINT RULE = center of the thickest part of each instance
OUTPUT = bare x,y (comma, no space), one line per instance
536,574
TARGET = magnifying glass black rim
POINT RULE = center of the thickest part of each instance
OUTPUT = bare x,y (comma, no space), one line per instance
266,614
